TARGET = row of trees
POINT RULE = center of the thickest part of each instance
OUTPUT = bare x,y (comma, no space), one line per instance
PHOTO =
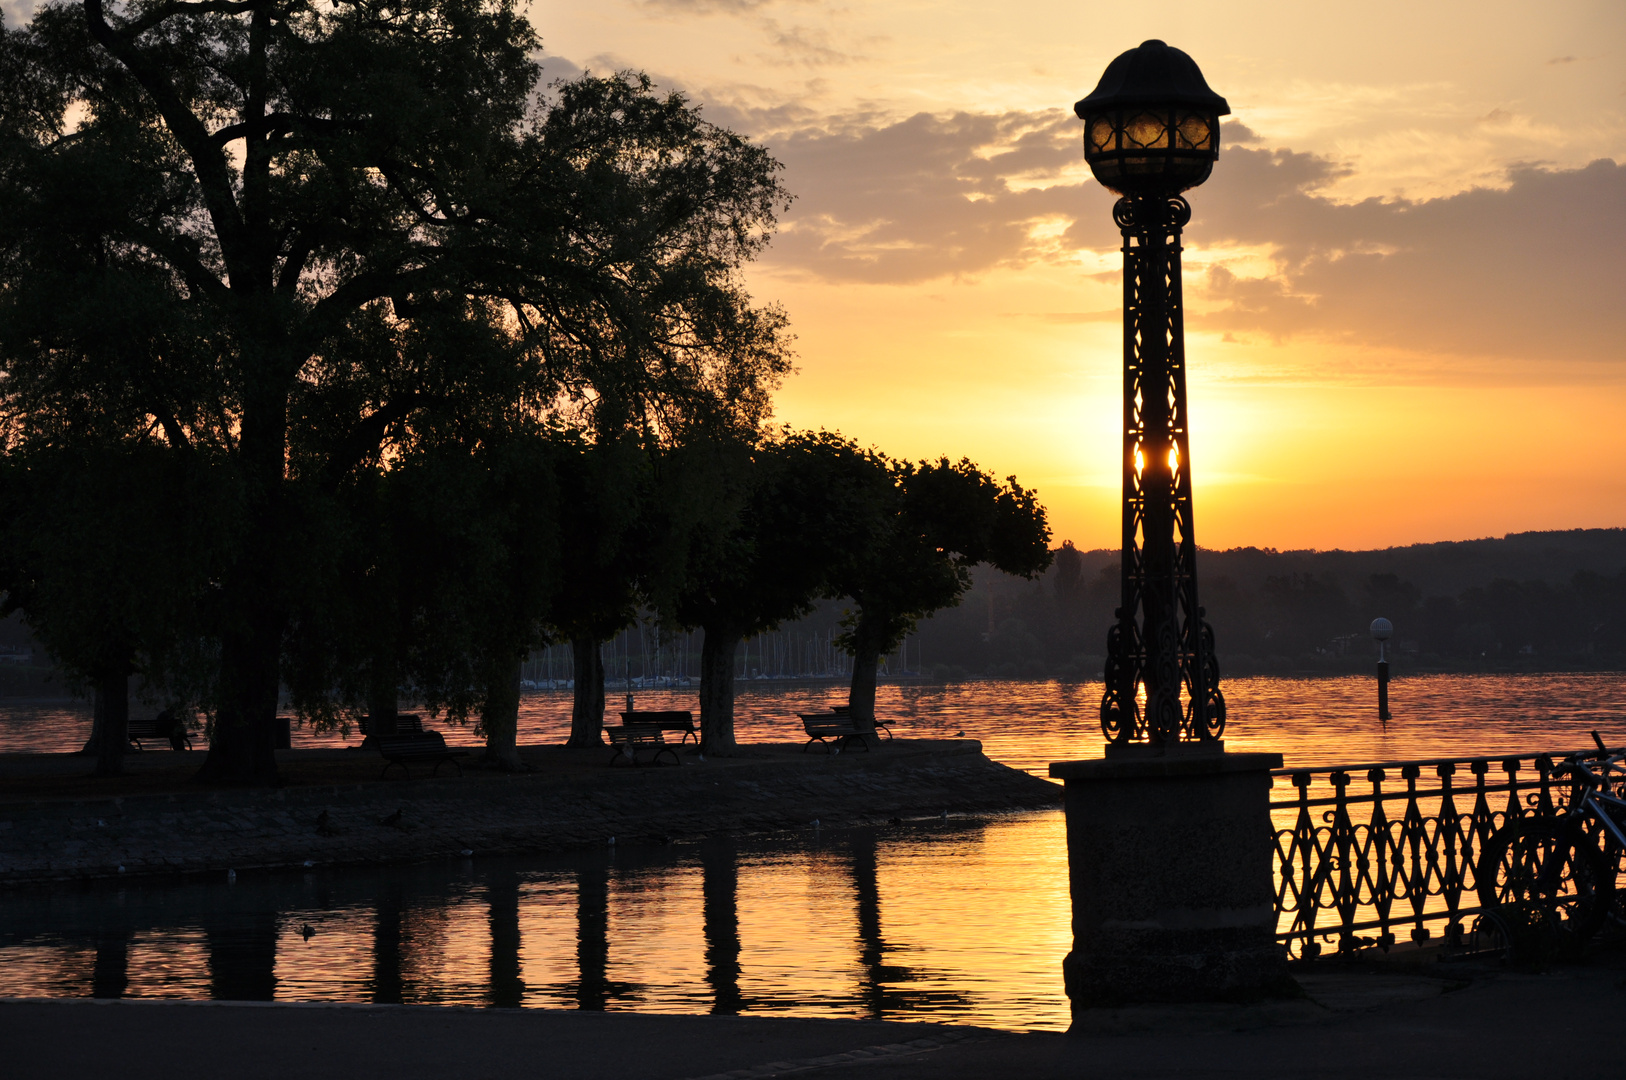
339,355
1531,601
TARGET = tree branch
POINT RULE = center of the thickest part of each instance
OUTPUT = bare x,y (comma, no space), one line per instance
208,162
187,264
366,437
158,14
276,124
293,263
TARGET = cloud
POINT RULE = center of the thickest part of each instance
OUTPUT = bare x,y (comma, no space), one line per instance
708,7
1530,269
17,12
805,45
923,197
556,68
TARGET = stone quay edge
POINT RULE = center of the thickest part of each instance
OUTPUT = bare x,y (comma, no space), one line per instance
572,800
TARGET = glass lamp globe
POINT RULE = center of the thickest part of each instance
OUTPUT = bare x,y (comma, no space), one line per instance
1151,127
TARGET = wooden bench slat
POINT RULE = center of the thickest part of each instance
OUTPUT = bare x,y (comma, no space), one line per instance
666,720
405,724
835,730
149,730
626,739
417,746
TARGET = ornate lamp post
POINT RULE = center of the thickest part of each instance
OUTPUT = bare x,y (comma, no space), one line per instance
1151,131
1169,859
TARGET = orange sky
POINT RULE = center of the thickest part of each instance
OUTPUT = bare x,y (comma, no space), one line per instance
1404,278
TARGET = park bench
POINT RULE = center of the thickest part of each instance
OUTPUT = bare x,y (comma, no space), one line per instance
881,726
405,724
418,746
159,728
675,720
837,729
834,730
628,739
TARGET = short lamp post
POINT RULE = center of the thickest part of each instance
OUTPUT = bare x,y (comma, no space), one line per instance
1382,630
1168,836
1151,132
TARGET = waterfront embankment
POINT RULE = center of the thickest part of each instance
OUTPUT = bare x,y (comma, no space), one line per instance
334,809
1354,1022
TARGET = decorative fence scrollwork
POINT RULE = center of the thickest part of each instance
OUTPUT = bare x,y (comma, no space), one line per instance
1360,861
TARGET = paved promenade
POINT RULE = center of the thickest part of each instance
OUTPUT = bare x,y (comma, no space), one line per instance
333,808
1425,1022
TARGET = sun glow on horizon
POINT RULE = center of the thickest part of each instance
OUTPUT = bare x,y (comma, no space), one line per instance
1391,313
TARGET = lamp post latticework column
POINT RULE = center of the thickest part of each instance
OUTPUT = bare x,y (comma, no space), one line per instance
1151,132
1161,640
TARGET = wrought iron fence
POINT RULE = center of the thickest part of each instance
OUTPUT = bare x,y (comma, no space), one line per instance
1408,865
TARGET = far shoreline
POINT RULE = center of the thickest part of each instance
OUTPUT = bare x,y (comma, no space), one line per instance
1399,671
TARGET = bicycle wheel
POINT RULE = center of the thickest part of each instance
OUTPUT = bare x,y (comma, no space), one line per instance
1543,876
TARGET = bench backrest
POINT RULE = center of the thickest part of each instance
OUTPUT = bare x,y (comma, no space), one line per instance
418,742
631,734
829,725
405,724
672,720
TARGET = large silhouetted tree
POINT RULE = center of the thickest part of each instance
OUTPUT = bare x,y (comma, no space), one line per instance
106,552
789,509
603,492
937,520
306,188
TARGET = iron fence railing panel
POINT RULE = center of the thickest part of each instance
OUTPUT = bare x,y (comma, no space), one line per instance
1357,863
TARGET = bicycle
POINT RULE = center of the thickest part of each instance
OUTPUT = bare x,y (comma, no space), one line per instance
1549,882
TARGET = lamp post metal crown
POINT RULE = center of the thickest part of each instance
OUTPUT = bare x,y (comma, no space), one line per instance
1151,131
1152,125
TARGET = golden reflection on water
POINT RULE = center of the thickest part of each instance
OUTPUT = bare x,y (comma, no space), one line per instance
959,921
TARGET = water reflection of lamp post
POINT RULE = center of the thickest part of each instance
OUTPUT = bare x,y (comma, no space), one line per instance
1151,131
1381,631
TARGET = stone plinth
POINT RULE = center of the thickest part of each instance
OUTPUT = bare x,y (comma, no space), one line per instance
1169,863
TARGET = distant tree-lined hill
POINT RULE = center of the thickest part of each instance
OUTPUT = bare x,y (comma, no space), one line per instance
1524,602
1527,601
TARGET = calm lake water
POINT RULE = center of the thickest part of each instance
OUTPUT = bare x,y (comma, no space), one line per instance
959,921
1030,724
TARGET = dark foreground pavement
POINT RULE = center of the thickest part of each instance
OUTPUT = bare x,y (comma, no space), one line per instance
1438,1021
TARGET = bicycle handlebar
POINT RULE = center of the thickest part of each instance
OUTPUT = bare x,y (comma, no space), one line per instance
1581,773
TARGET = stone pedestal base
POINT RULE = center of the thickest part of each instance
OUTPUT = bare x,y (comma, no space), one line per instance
1169,863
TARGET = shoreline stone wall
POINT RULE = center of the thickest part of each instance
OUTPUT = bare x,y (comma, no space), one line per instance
483,813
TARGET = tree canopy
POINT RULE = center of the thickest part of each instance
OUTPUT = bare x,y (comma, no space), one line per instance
937,520
268,228
796,504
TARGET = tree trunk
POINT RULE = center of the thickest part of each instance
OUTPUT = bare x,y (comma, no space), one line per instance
242,746
717,649
499,716
866,663
861,694
587,704
95,740
383,698
111,726
242,743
